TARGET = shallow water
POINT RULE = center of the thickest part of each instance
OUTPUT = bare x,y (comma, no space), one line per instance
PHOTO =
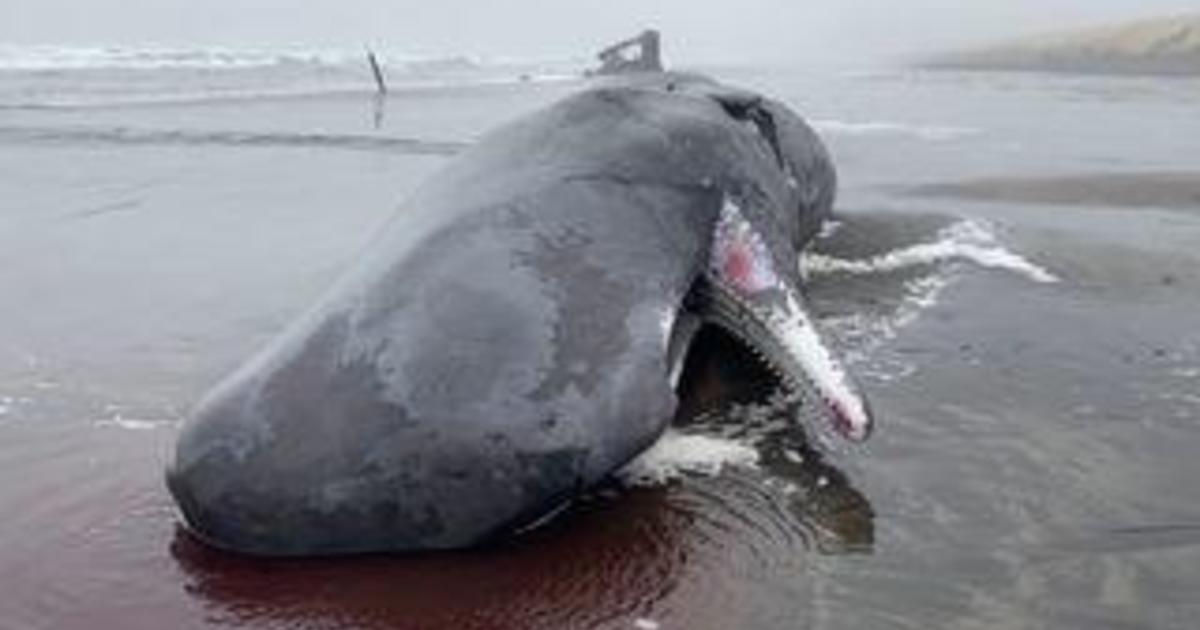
1035,370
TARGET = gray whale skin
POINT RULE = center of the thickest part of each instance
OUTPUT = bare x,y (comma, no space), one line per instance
514,334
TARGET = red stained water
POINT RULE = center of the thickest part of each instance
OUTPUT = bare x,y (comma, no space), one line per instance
91,539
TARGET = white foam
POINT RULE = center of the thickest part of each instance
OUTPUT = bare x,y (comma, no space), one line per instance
829,228
932,133
865,335
44,57
34,58
150,58
971,241
131,424
643,623
921,294
120,76
676,454
9,403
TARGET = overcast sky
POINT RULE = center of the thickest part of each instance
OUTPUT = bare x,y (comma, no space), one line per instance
694,30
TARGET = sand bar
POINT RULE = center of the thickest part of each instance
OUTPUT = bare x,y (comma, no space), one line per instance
1178,190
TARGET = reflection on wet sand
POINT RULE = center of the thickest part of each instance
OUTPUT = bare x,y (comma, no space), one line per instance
607,560
1178,190
620,554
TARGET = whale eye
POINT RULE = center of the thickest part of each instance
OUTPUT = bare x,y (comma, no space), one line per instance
740,256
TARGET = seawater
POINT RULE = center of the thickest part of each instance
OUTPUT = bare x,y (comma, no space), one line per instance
164,211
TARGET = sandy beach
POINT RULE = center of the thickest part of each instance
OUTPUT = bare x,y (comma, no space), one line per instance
1027,336
1173,190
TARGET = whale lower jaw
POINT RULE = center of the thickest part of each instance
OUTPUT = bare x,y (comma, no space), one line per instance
780,335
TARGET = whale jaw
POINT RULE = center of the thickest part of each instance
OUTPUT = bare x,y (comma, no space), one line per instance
742,292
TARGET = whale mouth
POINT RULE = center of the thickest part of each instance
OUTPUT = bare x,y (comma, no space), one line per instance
786,342
741,293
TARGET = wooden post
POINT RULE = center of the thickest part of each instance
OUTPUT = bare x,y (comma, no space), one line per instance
377,72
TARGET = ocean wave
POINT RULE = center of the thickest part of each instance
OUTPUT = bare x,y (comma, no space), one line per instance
81,97
133,137
41,77
44,58
864,332
932,133
972,241
34,58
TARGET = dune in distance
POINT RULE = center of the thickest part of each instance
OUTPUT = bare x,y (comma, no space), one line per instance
1158,46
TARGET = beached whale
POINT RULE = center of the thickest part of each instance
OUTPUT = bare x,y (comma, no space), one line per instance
515,333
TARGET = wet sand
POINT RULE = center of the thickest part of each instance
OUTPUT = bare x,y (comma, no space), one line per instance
1034,464
133,275
1174,190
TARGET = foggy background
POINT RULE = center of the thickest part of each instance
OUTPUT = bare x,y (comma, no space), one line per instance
846,32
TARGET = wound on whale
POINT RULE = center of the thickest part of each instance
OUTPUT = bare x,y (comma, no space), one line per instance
518,330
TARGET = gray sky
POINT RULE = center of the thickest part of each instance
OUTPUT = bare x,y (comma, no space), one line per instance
850,32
